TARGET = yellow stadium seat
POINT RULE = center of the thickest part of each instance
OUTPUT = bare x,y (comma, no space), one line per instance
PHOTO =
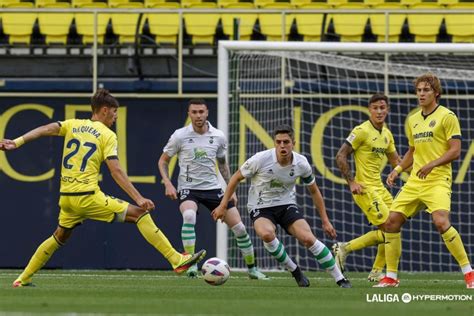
336,2
247,21
5,3
189,3
226,3
299,3
202,26
19,26
55,26
85,23
271,23
425,27
310,25
116,3
373,2
43,3
378,23
80,3
350,26
410,2
448,2
164,26
461,26
125,24
263,3
152,3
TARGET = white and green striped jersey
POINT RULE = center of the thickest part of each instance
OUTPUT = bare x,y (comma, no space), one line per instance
272,184
197,155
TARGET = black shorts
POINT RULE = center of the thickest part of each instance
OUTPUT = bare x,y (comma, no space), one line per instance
209,198
283,215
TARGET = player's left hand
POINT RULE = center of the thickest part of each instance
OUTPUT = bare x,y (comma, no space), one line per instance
146,204
329,230
7,144
219,213
425,171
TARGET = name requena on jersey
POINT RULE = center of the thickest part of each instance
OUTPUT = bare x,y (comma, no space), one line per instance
86,129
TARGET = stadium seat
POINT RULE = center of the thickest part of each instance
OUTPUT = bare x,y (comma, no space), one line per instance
263,3
43,3
125,24
373,2
164,26
378,22
152,3
271,23
425,27
299,3
202,26
116,3
19,26
310,25
5,3
85,23
409,2
247,21
55,26
448,2
79,3
189,3
350,26
461,26
226,3
336,3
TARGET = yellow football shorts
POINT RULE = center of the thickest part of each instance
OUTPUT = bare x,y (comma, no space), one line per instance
97,206
415,196
375,203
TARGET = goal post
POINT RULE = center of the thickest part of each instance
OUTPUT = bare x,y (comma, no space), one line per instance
322,90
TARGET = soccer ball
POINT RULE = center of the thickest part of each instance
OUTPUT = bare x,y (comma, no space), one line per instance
215,271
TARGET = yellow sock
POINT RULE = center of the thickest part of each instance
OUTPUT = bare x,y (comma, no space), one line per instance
455,246
393,251
369,239
379,262
157,239
39,259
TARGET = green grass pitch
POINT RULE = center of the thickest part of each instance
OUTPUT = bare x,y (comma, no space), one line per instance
76,292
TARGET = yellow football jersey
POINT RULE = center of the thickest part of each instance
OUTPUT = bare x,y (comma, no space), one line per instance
430,135
86,145
370,147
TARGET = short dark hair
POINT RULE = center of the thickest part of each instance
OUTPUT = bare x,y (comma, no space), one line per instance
378,97
284,129
196,101
432,80
103,98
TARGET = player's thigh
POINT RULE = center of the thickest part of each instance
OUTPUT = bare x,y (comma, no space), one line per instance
105,208
407,201
187,200
437,196
232,217
301,230
372,204
265,228
212,199
69,214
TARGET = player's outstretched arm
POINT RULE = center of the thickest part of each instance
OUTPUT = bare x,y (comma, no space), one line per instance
343,164
124,182
225,172
51,129
163,167
219,212
319,203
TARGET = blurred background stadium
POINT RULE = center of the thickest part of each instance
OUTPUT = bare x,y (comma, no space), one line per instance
154,56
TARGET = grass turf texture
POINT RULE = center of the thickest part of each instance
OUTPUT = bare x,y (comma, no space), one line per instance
162,292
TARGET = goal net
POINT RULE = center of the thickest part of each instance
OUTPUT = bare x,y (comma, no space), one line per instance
322,90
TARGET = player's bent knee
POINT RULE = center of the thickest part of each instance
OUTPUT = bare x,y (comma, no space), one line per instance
267,236
120,217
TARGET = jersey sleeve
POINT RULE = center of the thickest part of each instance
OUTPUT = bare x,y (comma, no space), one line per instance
307,175
250,167
356,137
172,147
222,149
65,126
110,147
451,125
391,143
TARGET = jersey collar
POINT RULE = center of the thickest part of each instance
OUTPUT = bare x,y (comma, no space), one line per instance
426,116
375,127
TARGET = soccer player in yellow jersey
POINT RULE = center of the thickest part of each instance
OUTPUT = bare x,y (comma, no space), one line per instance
87,143
370,142
434,138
